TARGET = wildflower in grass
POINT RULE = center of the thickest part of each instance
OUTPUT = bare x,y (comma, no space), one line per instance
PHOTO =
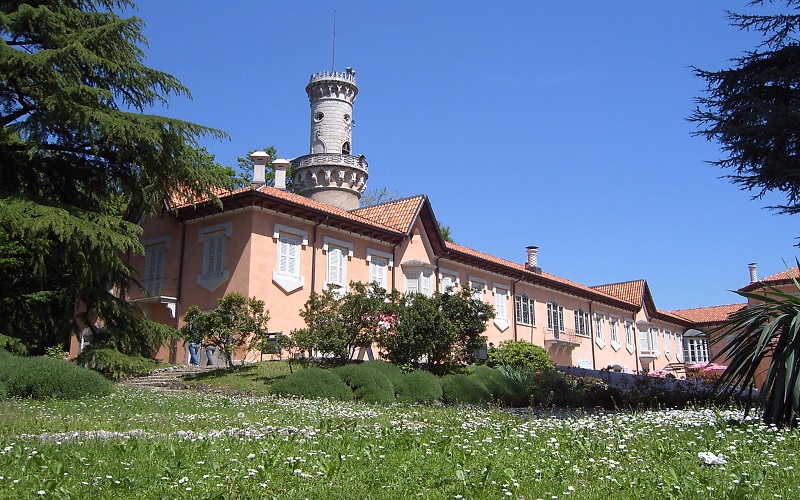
711,459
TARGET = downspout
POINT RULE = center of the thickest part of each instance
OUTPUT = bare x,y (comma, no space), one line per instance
314,254
438,285
636,343
514,306
394,264
593,323
179,290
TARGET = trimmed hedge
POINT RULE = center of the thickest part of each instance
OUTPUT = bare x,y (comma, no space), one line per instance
504,389
367,382
394,373
313,383
421,387
47,378
459,388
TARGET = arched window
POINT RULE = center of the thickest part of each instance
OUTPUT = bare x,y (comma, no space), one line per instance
346,148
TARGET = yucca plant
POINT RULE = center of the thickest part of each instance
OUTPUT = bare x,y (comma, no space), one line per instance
768,332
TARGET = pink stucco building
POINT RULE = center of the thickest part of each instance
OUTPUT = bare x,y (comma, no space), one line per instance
280,246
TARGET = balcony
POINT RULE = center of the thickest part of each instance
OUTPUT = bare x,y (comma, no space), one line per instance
566,339
647,352
153,289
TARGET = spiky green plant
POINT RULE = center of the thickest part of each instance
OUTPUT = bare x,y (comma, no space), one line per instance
765,332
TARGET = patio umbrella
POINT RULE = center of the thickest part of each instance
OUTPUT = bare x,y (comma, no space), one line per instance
697,366
658,373
713,367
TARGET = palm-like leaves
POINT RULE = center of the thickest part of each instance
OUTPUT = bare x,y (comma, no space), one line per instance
765,335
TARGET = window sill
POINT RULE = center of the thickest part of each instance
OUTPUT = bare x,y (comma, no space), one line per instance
501,324
211,281
600,342
615,345
631,348
288,284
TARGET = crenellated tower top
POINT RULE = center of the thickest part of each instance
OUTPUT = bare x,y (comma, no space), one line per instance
330,173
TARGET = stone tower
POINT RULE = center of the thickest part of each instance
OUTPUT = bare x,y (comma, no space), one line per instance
330,173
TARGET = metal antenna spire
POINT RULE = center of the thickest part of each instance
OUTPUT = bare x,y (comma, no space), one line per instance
333,55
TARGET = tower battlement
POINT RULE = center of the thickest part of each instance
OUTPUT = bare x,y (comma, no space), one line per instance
348,75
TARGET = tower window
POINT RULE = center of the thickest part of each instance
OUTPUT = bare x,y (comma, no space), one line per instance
319,116
347,118
346,148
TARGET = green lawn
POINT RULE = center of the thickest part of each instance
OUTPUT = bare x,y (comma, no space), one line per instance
143,444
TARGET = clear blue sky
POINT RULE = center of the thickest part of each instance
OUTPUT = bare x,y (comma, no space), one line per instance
560,124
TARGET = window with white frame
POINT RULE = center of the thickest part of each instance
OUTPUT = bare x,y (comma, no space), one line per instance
379,264
290,242
501,306
478,287
583,324
667,342
679,347
419,279
338,253
613,327
630,338
213,271
598,330
695,350
448,280
555,317
524,309
649,341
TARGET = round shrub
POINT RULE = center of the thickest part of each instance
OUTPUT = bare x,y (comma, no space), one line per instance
368,383
48,378
421,387
313,383
504,389
394,373
459,388
520,354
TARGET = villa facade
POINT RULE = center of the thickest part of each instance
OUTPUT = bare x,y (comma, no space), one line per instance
279,246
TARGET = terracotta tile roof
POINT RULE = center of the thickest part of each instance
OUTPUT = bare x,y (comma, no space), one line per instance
541,278
398,214
629,291
783,277
182,200
709,315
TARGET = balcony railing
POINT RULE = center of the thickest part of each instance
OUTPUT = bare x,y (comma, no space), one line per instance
154,288
649,352
565,338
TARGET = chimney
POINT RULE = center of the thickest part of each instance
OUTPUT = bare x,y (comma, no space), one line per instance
280,166
753,273
533,264
260,159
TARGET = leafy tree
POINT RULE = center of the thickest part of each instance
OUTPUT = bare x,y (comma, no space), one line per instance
766,333
468,318
337,325
80,164
445,230
520,354
237,323
753,109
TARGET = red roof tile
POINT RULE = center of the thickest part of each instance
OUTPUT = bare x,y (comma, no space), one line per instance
629,291
398,214
783,277
709,315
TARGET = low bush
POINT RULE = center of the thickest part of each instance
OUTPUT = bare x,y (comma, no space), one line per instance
115,365
394,373
367,383
503,389
459,388
520,354
547,387
48,378
421,387
313,383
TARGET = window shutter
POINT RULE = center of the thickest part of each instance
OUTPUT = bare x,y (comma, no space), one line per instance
412,283
561,318
335,274
425,278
